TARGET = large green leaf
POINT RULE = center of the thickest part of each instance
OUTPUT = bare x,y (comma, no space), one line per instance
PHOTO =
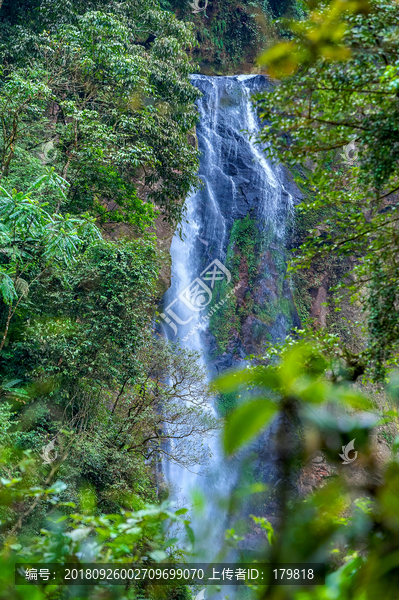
246,422
250,377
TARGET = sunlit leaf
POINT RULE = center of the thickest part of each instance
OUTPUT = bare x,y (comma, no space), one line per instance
244,423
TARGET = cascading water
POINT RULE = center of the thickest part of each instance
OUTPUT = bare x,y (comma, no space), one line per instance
238,181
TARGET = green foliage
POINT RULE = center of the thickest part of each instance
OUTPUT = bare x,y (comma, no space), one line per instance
230,34
126,536
6,436
281,8
109,109
89,364
300,374
318,35
242,254
97,108
245,235
352,530
345,91
89,312
32,240
224,320
255,415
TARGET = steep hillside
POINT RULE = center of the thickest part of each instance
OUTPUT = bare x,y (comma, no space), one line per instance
230,34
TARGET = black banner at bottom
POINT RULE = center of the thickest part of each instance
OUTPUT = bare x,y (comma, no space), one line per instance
170,574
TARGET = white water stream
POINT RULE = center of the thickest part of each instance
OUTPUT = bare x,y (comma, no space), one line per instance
238,180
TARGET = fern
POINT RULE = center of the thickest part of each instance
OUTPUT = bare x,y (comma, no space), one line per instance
7,288
21,286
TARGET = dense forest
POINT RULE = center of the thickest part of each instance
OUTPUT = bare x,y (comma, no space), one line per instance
99,154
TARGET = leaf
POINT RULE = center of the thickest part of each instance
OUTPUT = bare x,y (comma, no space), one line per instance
9,384
78,534
355,400
301,359
266,526
56,488
170,543
311,391
282,59
181,511
158,555
10,482
37,184
190,532
21,286
7,288
246,422
265,377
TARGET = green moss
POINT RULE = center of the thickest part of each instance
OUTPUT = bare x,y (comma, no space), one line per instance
251,256
244,246
388,437
224,321
270,312
242,255
302,298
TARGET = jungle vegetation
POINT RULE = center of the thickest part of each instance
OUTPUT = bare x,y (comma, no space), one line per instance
96,110
331,118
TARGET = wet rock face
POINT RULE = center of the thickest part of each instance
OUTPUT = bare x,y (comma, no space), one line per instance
241,218
313,474
235,180
240,184
319,309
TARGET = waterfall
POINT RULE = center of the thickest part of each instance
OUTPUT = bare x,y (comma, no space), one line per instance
238,180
